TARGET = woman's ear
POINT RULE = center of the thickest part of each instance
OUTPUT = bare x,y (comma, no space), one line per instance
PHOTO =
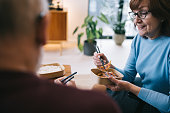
41,30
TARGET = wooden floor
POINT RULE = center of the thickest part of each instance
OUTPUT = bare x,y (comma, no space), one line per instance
56,46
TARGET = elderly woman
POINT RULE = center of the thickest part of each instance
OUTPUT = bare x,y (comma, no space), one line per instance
149,55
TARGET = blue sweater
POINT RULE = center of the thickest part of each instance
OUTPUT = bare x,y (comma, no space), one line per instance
151,59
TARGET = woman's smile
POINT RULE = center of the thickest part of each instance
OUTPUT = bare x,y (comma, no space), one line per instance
141,27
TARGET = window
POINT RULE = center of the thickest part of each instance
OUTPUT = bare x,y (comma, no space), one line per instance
110,9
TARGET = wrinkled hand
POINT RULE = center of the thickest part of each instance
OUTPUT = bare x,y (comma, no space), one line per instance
119,85
70,83
96,59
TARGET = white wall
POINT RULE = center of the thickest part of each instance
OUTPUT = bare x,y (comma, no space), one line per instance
77,11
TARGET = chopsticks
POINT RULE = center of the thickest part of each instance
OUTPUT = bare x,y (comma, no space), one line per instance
68,78
101,60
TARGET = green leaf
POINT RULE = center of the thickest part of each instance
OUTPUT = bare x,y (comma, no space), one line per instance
103,18
95,23
84,25
91,31
79,38
91,19
91,36
80,47
86,19
97,35
75,30
100,30
87,32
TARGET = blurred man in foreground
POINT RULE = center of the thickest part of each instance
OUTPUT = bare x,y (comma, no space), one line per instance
23,26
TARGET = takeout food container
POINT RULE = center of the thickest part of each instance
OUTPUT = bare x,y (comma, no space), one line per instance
53,74
104,80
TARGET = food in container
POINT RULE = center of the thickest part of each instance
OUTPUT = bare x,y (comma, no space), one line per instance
104,75
51,71
106,66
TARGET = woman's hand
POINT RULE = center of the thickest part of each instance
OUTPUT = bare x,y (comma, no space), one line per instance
70,83
120,85
96,59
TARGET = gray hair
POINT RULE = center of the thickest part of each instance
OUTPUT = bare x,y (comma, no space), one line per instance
18,17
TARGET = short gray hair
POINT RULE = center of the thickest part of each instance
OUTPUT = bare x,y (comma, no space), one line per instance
19,16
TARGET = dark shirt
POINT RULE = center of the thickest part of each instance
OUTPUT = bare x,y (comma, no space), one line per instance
25,93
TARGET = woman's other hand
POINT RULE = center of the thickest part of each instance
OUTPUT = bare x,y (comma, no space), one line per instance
121,85
70,83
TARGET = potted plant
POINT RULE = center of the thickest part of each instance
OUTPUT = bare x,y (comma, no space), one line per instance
92,33
118,26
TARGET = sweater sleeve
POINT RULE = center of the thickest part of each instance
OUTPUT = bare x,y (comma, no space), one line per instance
156,99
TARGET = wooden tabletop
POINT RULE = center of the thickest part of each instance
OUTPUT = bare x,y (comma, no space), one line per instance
67,70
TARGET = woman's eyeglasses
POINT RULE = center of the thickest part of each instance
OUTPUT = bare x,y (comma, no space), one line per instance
140,14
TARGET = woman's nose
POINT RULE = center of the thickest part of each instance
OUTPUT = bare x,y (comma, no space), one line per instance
137,19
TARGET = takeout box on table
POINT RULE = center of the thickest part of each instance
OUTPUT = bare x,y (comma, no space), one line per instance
104,80
51,71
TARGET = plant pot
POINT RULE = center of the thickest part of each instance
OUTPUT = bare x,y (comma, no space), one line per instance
89,48
118,39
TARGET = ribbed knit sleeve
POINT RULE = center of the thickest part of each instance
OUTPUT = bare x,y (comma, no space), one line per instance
156,99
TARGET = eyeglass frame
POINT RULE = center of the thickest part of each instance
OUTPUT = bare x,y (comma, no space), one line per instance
142,13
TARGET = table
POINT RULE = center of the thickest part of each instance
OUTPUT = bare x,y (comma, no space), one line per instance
53,75
67,70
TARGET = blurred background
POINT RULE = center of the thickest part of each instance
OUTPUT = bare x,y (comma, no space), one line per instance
62,46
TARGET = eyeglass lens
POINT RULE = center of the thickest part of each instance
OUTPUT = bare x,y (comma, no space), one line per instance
140,14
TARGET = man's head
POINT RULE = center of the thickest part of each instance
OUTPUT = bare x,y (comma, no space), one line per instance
23,26
18,17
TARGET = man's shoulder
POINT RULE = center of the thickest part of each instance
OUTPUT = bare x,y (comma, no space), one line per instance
30,94
79,100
